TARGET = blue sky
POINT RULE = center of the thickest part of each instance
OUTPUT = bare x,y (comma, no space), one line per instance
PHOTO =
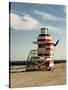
26,19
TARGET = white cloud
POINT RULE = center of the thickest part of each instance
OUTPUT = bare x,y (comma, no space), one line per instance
25,22
47,16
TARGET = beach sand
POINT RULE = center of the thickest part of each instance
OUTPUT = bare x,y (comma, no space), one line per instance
20,79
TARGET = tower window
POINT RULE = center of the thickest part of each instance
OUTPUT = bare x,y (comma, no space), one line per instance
41,46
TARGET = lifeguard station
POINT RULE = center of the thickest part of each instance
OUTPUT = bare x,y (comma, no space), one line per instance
42,57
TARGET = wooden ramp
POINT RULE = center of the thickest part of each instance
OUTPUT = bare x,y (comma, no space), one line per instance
34,62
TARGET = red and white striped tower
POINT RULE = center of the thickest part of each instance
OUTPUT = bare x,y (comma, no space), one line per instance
45,46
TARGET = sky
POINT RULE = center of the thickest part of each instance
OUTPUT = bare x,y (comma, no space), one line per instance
26,20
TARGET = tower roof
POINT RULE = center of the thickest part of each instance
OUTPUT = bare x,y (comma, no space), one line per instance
44,30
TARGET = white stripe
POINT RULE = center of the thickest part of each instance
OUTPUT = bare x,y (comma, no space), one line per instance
45,37
47,59
51,46
48,37
51,64
51,56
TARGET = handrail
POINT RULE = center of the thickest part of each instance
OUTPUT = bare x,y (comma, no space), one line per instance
33,52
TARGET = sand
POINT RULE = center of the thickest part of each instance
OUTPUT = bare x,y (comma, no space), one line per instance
21,79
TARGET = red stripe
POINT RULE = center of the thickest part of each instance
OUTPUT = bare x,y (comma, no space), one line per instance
44,40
